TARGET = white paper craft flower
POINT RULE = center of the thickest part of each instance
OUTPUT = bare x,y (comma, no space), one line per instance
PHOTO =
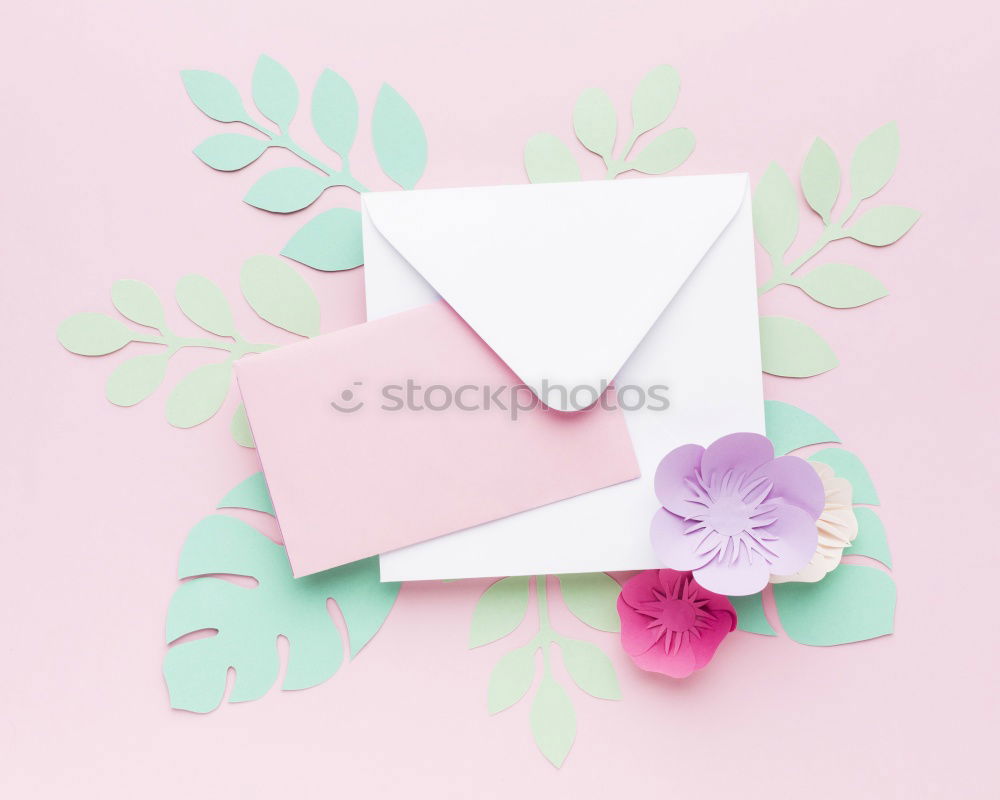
837,527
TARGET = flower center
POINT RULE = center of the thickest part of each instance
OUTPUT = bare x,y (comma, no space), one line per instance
730,516
677,615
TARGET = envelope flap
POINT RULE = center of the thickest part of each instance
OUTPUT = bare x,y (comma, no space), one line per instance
562,281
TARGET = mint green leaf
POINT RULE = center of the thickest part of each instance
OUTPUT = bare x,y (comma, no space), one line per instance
499,611
821,179
335,112
278,294
553,721
91,334
230,151
871,540
138,302
850,604
214,95
883,225
790,428
398,136
792,349
239,427
547,159
592,598
595,122
874,161
750,615
841,286
275,92
330,241
251,494
136,379
775,212
666,152
655,98
287,189
849,466
199,395
205,305
511,678
590,669
248,620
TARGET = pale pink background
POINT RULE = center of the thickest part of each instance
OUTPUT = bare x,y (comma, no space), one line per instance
99,183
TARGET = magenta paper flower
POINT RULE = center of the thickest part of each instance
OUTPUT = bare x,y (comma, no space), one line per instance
734,514
670,624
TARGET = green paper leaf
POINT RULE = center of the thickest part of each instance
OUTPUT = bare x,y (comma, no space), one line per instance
398,136
790,428
248,620
874,161
849,466
287,189
850,604
548,160
136,379
593,599
278,294
821,179
791,349
666,152
330,241
655,98
841,286
199,395
750,615
275,92
205,305
251,494
335,112
214,95
590,669
511,678
595,122
239,427
871,540
499,611
553,721
230,151
775,212
883,225
91,334
138,302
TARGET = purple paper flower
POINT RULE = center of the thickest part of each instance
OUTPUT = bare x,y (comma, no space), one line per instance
734,514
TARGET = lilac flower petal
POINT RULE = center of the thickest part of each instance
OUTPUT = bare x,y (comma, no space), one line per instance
740,578
795,482
674,547
639,588
740,452
670,482
796,539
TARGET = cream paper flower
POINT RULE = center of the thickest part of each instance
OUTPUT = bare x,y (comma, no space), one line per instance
837,526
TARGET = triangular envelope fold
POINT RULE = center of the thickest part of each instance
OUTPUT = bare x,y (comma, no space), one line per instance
562,281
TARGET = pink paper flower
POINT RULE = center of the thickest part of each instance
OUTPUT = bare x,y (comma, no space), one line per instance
670,624
734,514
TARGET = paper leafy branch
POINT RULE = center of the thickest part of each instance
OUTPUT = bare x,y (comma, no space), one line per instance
855,601
502,609
330,241
790,348
272,288
595,122
245,621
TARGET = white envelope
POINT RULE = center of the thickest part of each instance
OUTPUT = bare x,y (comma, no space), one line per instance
647,282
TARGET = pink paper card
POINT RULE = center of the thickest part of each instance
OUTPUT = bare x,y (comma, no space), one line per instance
409,427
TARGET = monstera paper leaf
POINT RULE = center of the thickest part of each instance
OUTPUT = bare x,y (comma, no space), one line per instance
248,619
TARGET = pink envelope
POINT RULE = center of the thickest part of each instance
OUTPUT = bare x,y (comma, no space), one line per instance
370,443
